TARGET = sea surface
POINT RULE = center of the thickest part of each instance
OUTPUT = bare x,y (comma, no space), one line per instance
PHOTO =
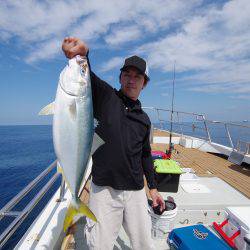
25,151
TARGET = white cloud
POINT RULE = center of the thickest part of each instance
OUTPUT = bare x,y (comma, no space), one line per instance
242,88
115,62
46,50
211,48
209,42
162,14
44,23
35,21
235,15
123,35
229,71
103,15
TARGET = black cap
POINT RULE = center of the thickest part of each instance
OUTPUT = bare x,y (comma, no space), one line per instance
137,62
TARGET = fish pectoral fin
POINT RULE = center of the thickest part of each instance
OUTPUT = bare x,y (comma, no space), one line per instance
97,142
48,110
73,213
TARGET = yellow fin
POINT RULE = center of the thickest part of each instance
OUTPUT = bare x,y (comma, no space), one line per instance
48,110
73,212
59,168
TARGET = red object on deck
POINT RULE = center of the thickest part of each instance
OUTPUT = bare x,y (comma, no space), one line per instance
229,240
159,153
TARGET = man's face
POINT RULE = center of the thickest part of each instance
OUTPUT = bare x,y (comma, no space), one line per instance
132,82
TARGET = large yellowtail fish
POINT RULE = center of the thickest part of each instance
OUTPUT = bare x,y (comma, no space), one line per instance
73,131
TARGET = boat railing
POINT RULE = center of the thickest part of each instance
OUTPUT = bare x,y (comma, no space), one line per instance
20,216
197,125
243,147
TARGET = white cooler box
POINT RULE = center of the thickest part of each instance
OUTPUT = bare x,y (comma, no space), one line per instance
239,219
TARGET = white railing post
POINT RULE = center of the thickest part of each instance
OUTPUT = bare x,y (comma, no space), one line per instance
229,136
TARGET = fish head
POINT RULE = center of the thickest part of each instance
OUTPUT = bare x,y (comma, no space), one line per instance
75,78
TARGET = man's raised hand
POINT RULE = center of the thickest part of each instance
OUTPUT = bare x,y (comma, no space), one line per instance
73,46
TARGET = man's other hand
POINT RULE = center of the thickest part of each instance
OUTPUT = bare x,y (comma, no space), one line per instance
157,199
73,46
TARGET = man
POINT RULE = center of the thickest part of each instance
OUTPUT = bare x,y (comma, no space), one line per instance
117,195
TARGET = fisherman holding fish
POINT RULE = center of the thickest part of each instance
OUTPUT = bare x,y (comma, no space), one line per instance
117,195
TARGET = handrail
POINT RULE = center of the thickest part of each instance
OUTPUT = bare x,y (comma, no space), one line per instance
206,125
8,232
230,123
25,191
175,111
229,136
207,131
247,146
21,215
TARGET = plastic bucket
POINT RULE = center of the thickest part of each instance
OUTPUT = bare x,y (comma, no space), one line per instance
162,224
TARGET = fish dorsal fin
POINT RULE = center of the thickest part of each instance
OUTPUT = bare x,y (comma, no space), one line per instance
48,110
97,142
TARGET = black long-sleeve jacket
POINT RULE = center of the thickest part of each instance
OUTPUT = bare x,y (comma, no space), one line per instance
126,155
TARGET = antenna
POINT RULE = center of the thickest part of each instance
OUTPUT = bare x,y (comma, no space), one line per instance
171,146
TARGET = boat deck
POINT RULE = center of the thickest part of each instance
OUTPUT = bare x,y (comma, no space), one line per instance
209,164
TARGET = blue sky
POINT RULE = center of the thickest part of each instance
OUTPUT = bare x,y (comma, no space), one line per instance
209,40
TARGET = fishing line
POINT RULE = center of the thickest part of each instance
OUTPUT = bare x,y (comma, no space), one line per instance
172,112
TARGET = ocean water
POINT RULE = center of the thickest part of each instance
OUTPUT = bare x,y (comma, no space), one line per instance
25,151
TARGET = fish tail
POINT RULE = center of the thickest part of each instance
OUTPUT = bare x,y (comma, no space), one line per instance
74,213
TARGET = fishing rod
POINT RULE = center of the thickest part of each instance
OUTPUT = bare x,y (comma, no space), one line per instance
171,145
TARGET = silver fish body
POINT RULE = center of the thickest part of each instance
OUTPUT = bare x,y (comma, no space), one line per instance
73,132
73,123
